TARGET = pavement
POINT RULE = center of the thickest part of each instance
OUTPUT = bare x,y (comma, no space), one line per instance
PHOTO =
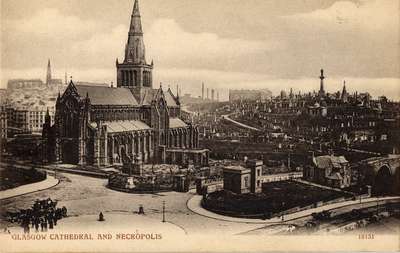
114,222
194,204
119,232
49,182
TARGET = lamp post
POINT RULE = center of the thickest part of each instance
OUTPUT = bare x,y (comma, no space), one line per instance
163,212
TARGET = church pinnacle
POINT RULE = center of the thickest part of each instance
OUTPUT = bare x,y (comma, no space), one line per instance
344,86
48,75
344,96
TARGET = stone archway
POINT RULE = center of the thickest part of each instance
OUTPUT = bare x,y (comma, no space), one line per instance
384,181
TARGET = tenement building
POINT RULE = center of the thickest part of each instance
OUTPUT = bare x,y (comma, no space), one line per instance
97,125
249,95
27,101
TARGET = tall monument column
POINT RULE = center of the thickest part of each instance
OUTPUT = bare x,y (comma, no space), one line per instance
321,92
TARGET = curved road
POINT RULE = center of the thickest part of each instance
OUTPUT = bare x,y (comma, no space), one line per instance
195,206
85,196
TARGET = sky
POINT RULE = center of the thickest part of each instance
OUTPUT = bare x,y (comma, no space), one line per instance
227,44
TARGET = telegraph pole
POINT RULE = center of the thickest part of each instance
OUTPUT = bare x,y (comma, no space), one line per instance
163,211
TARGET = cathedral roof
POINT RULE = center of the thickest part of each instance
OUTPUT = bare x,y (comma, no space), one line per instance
176,123
152,94
125,126
170,98
100,95
148,96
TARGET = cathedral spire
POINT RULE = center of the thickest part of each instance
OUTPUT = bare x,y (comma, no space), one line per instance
136,23
48,75
134,49
344,92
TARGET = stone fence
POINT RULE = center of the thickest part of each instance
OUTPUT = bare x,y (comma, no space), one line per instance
281,177
320,203
286,212
206,186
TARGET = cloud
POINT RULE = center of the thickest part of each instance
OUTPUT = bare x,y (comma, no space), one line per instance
107,45
168,40
367,14
169,45
48,33
51,23
359,39
348,39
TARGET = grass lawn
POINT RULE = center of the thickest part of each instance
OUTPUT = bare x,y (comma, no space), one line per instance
275,197
13,177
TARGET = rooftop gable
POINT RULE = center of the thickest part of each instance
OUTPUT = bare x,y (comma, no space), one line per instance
328,161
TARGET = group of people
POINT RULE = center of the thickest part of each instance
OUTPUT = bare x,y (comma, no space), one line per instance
44,214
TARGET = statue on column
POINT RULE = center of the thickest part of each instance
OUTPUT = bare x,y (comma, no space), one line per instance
127,163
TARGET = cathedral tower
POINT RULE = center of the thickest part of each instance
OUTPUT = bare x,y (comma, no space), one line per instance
134,72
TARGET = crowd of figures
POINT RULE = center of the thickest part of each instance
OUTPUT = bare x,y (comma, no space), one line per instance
43,215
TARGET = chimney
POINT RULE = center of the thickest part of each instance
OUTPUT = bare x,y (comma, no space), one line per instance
202,91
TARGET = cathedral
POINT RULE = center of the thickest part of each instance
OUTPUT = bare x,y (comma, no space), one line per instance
100,125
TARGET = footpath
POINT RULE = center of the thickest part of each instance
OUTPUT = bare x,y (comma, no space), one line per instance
194,204
58,167
49,182
322,186
226,117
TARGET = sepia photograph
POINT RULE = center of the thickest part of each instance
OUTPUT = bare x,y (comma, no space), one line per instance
200,126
